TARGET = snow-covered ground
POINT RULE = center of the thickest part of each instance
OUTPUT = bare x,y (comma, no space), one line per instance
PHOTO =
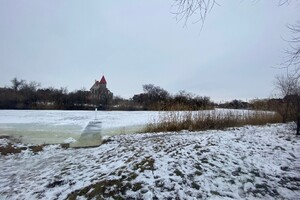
251,162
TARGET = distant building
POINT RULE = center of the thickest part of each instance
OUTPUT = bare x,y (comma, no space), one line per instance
100,95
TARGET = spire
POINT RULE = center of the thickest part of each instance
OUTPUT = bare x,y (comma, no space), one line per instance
103,81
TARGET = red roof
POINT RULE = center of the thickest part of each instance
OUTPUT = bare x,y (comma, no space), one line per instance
103,81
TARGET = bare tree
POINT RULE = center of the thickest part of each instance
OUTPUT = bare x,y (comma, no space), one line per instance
286,85
289,89
17,84
31,86
289,85
155,93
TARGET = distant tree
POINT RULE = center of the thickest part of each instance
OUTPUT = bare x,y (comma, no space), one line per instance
139,98
235,104
155,93
45,95
154,96
183,96
261,104
31,86
16,84
120,103
78,99
202,102
118,100
8,98
28,94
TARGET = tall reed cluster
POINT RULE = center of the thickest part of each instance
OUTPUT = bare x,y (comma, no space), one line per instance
207,120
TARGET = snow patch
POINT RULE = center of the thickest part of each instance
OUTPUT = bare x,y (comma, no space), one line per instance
70,140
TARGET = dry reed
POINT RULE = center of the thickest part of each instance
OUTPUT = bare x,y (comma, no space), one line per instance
208,120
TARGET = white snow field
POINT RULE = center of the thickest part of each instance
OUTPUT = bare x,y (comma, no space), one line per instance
251,162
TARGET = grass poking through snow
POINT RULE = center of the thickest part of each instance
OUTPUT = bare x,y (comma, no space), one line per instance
200,120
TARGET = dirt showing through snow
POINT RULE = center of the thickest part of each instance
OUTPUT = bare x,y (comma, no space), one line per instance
244,163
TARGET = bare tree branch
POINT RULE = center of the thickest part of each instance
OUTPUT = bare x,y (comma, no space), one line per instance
185,9
282,2
287,85
293,53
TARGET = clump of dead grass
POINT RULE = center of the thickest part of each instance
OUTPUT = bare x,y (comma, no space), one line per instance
208,120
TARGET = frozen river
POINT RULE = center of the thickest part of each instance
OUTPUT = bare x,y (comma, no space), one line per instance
52,126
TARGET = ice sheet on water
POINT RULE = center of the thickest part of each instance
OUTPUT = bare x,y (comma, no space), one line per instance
109,119
52,117
50,126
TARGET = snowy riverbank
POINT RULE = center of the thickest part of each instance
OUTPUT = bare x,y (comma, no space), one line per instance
248,162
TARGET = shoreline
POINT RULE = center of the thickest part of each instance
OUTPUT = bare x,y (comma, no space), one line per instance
12,145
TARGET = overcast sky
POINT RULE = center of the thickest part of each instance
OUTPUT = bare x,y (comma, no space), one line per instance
71,43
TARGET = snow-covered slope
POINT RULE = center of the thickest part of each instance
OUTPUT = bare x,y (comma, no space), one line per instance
249,162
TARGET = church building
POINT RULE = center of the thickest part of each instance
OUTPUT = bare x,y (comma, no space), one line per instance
100,95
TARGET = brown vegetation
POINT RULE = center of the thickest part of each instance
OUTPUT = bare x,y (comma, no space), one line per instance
11,149
198,121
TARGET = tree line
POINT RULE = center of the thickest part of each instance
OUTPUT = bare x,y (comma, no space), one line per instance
30,95
157,98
